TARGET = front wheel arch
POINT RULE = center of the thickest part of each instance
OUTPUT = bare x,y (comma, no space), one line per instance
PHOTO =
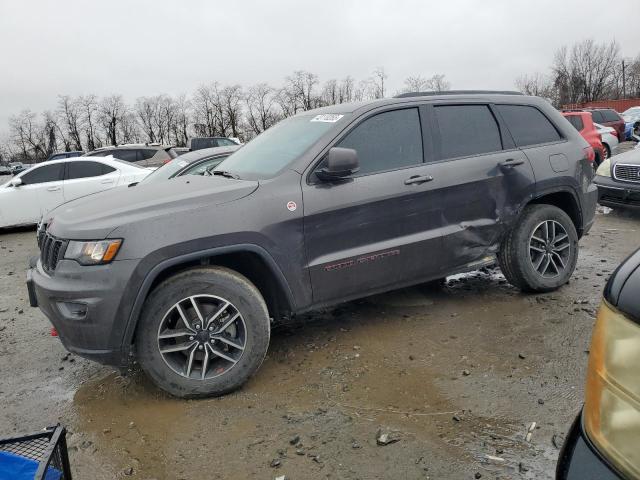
268,278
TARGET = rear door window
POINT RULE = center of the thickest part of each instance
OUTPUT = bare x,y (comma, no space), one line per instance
467,130
597,116
528,126
576,121
44,174
387,141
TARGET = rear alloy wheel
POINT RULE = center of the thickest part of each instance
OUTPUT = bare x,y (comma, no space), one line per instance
540,252
607,151
549,249
203,332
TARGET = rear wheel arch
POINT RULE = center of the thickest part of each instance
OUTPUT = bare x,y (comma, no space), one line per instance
251,261
566,201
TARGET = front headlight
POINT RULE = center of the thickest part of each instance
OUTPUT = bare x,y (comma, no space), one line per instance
605,168
612,396
93,253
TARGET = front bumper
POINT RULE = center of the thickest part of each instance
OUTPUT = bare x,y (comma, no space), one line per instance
83,304
579,459
617,194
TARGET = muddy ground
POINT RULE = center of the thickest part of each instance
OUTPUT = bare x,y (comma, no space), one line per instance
454,375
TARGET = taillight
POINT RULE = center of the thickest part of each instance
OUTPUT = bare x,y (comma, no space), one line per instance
167,161
614,133
590,154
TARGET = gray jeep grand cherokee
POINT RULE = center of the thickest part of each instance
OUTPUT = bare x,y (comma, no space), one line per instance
186,276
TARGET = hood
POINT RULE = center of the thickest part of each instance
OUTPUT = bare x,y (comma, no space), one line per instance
632,157
95,216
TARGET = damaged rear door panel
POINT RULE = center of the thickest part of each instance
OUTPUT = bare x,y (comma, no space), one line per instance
483,180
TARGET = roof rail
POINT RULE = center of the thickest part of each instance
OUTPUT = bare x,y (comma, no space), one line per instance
458,92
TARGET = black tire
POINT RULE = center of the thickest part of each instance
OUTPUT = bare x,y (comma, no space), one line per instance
204,282
596,161
516,262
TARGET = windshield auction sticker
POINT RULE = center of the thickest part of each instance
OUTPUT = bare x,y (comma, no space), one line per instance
327,117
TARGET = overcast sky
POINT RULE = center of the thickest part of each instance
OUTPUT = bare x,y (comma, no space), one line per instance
138,47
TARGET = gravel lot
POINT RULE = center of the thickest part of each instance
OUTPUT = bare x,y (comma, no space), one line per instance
453,374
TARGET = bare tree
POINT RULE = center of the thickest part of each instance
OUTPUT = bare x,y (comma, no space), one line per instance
180,128
70,114
584,72
231,100
28,135
89,106
112,110
261,110
378,80
204,105
346,90
300,90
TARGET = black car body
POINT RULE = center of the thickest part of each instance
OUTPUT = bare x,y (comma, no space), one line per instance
604,441
327,206
618,180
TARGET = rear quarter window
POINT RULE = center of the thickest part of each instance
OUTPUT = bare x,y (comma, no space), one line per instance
528,125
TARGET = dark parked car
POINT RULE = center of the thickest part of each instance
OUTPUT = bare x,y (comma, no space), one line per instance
63,155
17,167
146,155
327,206
604,441
608,117
618,180
5,170
198,143
200,162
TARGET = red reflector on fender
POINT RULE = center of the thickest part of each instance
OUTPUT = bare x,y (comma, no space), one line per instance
54,332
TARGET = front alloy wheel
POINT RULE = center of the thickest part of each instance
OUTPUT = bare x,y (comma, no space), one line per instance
202,336
203,332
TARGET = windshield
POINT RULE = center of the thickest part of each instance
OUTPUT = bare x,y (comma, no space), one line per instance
166,171
271,151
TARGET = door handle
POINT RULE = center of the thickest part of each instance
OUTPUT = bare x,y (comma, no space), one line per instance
53,189
107,181
511,162
418,179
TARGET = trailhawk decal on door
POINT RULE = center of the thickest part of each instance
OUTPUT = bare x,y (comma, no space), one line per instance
361,260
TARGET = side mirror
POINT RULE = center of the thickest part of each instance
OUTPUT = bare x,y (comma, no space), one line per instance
15,182
341,163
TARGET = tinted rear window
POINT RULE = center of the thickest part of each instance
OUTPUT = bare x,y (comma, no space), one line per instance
528,125
610,116
147,153
467,130
576,121
126,155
